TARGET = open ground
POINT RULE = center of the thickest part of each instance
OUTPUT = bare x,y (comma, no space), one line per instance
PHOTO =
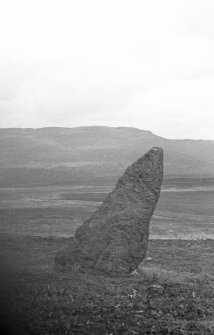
172,293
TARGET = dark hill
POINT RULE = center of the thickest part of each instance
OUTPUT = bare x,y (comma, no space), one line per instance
61,155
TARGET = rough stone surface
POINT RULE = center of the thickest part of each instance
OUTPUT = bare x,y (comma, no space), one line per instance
115,238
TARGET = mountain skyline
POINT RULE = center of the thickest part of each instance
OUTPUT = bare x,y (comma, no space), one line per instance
84,154
104,126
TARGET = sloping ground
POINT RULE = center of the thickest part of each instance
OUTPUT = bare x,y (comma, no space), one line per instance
60,155
164,298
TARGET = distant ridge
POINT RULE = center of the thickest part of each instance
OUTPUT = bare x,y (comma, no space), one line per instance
93,152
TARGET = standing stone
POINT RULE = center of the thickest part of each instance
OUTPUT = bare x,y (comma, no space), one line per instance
115,239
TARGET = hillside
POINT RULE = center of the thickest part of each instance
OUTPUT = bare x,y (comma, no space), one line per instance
61,155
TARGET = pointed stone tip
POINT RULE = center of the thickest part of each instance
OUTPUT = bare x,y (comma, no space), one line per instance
157,150
155,153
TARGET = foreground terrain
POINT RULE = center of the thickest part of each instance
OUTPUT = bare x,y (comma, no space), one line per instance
173,292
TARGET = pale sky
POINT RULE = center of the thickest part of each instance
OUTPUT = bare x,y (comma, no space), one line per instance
147,64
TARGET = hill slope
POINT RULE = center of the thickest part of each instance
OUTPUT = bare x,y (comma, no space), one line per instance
63,154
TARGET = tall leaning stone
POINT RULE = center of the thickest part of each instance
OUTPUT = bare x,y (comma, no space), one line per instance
115,239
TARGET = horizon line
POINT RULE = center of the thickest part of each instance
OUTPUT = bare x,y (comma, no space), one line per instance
102,126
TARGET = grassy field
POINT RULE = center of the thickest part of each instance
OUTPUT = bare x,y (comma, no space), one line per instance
172,293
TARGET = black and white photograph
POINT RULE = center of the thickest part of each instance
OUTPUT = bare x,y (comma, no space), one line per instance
107,167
